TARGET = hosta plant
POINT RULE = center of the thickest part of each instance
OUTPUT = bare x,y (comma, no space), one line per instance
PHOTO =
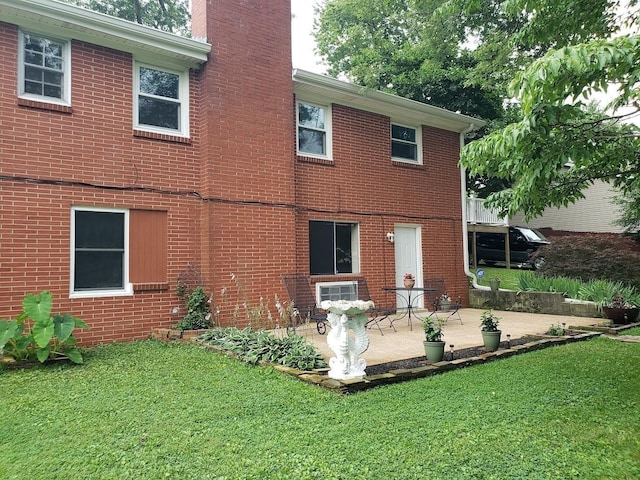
36,334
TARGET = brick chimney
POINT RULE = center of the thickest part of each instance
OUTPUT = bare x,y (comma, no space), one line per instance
248,142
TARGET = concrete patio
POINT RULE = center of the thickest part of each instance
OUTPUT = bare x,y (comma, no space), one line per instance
407,343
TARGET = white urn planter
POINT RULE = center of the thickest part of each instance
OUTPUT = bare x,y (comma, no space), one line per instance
348,337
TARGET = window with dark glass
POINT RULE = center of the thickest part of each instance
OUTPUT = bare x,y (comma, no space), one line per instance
99,250
404,144
312,133
43,63
331,247
159,100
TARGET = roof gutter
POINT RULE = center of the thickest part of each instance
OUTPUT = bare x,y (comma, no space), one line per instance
465,230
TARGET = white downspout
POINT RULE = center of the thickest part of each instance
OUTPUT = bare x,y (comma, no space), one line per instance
465,230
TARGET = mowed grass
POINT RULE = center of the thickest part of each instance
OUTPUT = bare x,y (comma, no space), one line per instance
509,278
149,410
635,331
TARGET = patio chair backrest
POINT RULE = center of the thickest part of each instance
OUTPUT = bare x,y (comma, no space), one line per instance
432,297
300,293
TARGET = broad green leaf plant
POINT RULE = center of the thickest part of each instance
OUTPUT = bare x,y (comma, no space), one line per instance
50,336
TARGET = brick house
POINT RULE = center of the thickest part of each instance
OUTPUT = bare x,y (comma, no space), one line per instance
129,155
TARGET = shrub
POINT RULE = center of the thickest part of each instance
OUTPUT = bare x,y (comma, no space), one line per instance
592,257
198,311
556,330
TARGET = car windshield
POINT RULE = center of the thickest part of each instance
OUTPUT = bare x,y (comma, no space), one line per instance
532,235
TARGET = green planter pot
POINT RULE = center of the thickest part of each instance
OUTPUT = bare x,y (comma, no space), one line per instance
434,351
491,340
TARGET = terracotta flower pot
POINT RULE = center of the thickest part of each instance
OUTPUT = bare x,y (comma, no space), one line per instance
409,283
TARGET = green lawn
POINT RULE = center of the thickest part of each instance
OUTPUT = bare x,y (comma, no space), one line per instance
632,331
509,278
149,410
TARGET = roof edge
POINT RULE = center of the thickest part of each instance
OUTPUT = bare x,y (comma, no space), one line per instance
51,16
380,102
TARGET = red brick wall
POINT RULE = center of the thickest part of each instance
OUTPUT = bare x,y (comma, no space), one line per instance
250,218
248,154
363,185
74,156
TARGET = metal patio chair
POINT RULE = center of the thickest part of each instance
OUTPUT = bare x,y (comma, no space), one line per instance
300,293
379,312
434,300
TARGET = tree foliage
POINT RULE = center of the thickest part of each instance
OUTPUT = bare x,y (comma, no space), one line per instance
399,46
457,54
168,15
562,144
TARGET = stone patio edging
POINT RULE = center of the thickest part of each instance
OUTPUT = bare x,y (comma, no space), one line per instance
319,377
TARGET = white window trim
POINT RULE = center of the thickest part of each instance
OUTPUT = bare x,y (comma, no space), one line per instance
66,71
327,130
127,290
321,285
418,160
183,94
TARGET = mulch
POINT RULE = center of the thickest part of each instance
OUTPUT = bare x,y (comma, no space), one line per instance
416,362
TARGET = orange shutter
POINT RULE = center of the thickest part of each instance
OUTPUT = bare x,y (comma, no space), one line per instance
147,246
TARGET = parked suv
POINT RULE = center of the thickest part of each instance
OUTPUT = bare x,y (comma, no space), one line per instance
523,242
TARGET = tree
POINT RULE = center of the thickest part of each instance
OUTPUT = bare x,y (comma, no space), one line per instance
397,46
562,144
168,15
457,54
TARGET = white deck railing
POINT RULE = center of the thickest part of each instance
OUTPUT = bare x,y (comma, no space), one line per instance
478,213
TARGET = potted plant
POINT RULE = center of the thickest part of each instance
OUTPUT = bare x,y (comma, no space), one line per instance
619,310
494,283
490,333
409,280
444,302
433,344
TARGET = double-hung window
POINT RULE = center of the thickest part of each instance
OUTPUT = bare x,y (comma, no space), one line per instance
99,254
333,248
161,100
405,143
44,72
314,132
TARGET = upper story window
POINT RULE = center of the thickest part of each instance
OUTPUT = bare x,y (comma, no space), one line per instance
405,143
333,248
161,100
44,68
314,130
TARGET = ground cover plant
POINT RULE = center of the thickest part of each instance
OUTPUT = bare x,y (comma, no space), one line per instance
150,410
262,346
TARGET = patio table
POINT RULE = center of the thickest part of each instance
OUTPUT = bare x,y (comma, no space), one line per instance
410,297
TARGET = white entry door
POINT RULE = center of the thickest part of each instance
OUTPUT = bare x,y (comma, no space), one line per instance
408,259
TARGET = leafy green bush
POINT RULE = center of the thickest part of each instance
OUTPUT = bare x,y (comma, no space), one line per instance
556,330
592,257
262,346
533,282
198,312
49,337
602,292
599,291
